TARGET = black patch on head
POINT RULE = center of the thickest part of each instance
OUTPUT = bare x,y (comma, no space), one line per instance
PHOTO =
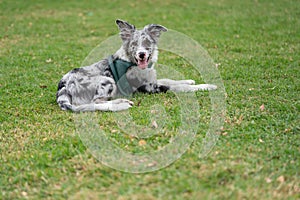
146,43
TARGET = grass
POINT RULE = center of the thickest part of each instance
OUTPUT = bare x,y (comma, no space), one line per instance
256,45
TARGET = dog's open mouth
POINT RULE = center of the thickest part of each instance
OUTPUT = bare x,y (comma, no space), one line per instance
142,63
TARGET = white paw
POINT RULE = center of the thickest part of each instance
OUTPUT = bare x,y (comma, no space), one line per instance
121,106
118,101
189,82
211,87
203,87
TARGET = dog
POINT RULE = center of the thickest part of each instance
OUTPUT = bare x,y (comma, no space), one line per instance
129,70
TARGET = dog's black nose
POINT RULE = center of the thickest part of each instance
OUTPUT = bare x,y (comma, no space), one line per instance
142,55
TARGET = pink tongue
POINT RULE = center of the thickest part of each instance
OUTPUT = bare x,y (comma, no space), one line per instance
142,64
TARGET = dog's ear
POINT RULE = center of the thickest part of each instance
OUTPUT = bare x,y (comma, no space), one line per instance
126,29
154,30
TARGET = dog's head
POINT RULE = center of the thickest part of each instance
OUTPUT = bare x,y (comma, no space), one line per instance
140,46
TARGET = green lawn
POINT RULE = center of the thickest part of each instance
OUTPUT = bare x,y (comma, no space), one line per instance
256,46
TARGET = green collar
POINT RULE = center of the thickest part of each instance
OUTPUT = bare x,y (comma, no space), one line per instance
119,68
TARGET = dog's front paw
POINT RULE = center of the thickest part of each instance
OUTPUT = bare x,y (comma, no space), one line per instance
120,104
204,87
118,101
211,87
189,82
